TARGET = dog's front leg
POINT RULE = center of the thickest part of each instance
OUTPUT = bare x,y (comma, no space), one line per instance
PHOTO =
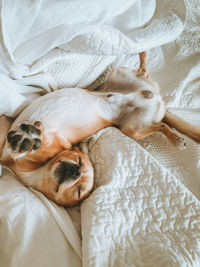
172,136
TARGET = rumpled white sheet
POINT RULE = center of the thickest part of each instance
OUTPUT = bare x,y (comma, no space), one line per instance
136,211
34,231
32,39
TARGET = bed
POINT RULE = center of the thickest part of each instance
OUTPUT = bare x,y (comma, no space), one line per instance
145,208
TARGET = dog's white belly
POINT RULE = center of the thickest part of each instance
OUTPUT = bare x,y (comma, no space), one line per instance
73,114
61,111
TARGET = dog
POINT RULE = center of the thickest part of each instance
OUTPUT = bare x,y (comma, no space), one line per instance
39,146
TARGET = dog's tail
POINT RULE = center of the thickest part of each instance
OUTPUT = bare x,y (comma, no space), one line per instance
182,126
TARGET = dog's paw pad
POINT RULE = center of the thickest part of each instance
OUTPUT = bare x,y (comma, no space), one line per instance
25,145
14,138
30,129
25,138
36,143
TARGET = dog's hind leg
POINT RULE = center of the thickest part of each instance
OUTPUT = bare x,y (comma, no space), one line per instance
172,136
182,126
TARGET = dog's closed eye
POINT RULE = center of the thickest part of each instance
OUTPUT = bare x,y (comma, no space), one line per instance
79,191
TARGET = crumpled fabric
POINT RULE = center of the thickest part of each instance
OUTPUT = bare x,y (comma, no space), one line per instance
41,41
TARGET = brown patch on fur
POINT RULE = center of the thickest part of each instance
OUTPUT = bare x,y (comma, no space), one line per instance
147,94
48,188
7,161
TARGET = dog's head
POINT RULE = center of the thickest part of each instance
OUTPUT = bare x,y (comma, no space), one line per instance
67,179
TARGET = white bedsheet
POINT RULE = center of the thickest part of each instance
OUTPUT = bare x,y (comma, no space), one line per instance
33,230
145,208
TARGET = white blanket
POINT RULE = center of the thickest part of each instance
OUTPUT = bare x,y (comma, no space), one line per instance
34,231
37,37
144,210
139,214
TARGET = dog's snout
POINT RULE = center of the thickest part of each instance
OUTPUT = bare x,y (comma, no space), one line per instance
67,171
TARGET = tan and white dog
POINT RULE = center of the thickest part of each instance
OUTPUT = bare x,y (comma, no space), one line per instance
39,145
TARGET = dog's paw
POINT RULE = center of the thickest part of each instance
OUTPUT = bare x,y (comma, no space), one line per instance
179,142
26,138
143,72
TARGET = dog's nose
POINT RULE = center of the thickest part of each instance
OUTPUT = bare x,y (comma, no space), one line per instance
75,171
67,171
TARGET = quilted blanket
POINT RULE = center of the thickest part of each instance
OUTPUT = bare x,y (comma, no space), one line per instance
145,208
140,214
